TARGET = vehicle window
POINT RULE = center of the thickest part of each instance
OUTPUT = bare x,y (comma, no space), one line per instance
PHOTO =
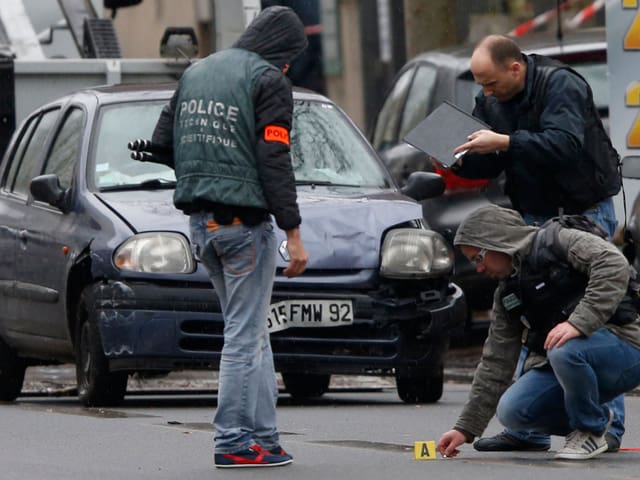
33,153
466,91
596,75
117,125
386,131
327,149
18,151
418,102
66,148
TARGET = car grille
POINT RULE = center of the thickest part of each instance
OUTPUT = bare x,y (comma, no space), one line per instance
358,340
364,341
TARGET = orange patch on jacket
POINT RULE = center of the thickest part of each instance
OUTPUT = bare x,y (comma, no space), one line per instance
274,133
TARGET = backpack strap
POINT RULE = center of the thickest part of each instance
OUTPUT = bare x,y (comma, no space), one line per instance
546,245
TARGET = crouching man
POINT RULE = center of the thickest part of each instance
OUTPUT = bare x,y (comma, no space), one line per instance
563,292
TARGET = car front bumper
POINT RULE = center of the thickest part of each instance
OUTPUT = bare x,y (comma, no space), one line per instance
160,327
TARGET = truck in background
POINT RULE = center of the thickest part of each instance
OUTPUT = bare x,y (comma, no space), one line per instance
29,78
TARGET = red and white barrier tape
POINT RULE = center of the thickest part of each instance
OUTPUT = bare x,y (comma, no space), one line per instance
585,14
575,22
541,19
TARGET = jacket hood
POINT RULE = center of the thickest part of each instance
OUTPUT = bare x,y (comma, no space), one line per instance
496,228
276,34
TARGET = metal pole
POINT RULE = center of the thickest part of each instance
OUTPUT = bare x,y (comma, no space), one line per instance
559,22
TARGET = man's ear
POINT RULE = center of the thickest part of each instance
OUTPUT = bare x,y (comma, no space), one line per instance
517,68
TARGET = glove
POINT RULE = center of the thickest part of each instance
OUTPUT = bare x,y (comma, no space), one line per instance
146,151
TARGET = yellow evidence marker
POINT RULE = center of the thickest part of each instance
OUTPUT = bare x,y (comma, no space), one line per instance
424,450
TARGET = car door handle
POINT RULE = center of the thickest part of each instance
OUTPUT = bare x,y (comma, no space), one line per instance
23,235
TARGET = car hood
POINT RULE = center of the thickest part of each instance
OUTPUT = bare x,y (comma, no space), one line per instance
339,231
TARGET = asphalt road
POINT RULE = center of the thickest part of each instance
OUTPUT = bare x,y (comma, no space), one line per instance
358,430
350,433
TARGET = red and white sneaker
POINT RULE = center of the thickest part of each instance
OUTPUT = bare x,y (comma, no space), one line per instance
254,456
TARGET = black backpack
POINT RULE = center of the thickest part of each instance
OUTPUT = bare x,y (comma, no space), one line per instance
546,250
601,156
548,288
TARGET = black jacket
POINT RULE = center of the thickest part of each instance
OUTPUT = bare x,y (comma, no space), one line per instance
277,35
559,154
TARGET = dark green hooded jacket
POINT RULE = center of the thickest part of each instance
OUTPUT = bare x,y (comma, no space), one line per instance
217,119
503,230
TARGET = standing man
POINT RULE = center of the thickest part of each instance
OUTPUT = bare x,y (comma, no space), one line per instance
228,123
562,291
549,141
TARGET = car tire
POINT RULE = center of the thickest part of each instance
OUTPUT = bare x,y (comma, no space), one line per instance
12,370
420,386
97,386
303,385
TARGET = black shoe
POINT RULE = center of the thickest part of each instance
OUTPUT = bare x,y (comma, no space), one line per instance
503,442
613,444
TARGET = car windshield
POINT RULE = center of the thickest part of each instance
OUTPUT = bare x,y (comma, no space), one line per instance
118,125
326,149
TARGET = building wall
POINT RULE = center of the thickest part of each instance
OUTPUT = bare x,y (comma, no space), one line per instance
140,28
346,88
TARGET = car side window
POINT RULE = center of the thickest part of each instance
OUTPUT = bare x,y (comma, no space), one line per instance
386,132
28,164
66,148
18,152
596,74
419,99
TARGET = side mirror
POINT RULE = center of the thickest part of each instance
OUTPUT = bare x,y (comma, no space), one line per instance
47,189
631,166
423,185
407,160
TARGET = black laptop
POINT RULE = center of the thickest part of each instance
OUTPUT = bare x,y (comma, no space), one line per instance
442,130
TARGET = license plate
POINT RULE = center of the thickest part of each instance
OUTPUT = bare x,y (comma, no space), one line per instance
309,313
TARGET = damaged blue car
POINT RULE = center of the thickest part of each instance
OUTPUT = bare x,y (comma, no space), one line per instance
97,267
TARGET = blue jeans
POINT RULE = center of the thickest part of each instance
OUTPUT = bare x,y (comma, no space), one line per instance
569,395
603,213
241,262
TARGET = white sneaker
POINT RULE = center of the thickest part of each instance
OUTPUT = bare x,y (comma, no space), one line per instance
583,445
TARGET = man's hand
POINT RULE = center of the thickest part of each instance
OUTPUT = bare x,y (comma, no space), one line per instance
560,334
297,253
484,141
449,443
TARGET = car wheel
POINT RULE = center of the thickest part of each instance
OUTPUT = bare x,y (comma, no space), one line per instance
11,373
420,386
97,386
302,385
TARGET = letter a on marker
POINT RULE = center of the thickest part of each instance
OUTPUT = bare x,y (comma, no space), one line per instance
424,450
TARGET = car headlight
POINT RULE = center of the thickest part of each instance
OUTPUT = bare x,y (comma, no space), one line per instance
156,252
415,253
